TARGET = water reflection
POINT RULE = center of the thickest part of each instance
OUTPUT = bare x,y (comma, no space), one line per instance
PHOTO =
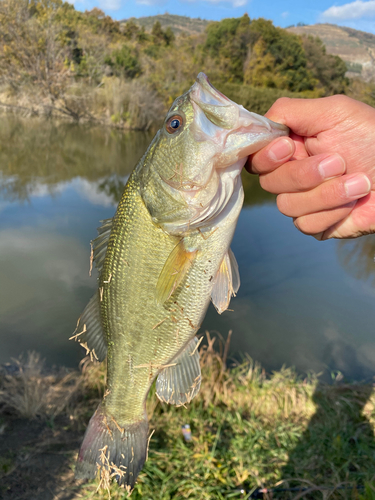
297,304
37,154
357,256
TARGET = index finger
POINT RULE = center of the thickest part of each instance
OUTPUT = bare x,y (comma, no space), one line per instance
309,117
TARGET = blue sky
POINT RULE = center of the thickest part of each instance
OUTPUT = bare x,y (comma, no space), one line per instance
358,14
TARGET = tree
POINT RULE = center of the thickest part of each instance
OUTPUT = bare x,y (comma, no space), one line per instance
125,62
227,42
288,55
130,29
30,49
328,69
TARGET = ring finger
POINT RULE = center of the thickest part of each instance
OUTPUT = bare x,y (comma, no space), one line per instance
330,194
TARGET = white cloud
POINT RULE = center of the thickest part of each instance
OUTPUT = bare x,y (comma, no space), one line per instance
88,190
234,3
353,10
151,2
110,4
284,15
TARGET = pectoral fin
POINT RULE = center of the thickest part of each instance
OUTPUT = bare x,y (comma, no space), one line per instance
226,283
174,271
235,272
179,384
90,332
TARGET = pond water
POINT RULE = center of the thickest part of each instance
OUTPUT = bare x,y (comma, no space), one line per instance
302,303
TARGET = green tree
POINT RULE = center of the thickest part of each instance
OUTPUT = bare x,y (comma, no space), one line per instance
169,36
125,62
328,69
130,29
287,52
227,42
157,33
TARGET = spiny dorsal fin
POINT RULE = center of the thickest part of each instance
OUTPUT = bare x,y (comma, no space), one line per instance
174,271
180,383
99,244
226,282
90,332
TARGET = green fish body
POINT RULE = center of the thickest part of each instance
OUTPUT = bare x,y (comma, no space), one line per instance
161,260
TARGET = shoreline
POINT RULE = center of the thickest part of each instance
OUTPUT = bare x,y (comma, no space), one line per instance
249,430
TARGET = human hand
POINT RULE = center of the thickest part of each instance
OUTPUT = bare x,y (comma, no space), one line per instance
324,173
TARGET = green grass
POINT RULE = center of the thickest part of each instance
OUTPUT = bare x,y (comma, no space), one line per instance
250,431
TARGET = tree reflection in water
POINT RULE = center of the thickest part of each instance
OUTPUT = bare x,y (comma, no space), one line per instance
357,257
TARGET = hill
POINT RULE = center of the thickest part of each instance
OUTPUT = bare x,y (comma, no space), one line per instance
179,24
356,48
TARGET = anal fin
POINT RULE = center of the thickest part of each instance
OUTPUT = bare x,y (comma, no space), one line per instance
180,383
226,282
90,332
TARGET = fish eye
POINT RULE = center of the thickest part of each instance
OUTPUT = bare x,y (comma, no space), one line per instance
174,124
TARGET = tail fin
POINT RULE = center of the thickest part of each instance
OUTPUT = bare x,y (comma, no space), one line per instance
114,451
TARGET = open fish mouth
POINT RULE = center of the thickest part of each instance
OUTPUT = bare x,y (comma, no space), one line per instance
237,131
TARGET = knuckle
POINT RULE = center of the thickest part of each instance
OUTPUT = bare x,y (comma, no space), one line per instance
333,193
266,183
303,225
279,105
284,204
301,176
339,99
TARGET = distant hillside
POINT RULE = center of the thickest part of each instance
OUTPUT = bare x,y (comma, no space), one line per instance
356,48
179,24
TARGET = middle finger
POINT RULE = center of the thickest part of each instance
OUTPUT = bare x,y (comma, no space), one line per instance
301,175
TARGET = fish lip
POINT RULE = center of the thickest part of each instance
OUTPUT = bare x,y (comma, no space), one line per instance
204,95
204,92
204,81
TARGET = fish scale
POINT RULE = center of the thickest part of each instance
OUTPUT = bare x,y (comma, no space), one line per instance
161,260
127,291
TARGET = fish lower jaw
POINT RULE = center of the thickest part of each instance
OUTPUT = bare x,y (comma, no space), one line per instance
229,198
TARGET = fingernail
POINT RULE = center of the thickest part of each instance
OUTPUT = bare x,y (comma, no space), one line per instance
331,167
357,185
280,150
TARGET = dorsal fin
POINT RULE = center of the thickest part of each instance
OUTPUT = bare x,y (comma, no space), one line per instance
179,384
226,282
174,271
99,244
90,331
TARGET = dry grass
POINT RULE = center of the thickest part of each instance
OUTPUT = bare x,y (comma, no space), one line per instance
129,104
249,430
132,104
30,392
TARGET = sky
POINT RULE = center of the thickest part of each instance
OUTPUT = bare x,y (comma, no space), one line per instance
358,14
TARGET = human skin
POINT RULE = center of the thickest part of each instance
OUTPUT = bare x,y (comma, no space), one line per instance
324,173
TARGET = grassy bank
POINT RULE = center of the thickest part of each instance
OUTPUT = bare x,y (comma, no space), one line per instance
249,431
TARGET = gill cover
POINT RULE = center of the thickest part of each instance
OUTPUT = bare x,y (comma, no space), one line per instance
191,170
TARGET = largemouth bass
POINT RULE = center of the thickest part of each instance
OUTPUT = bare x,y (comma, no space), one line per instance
161,260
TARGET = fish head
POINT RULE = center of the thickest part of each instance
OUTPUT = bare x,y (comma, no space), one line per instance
197,157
